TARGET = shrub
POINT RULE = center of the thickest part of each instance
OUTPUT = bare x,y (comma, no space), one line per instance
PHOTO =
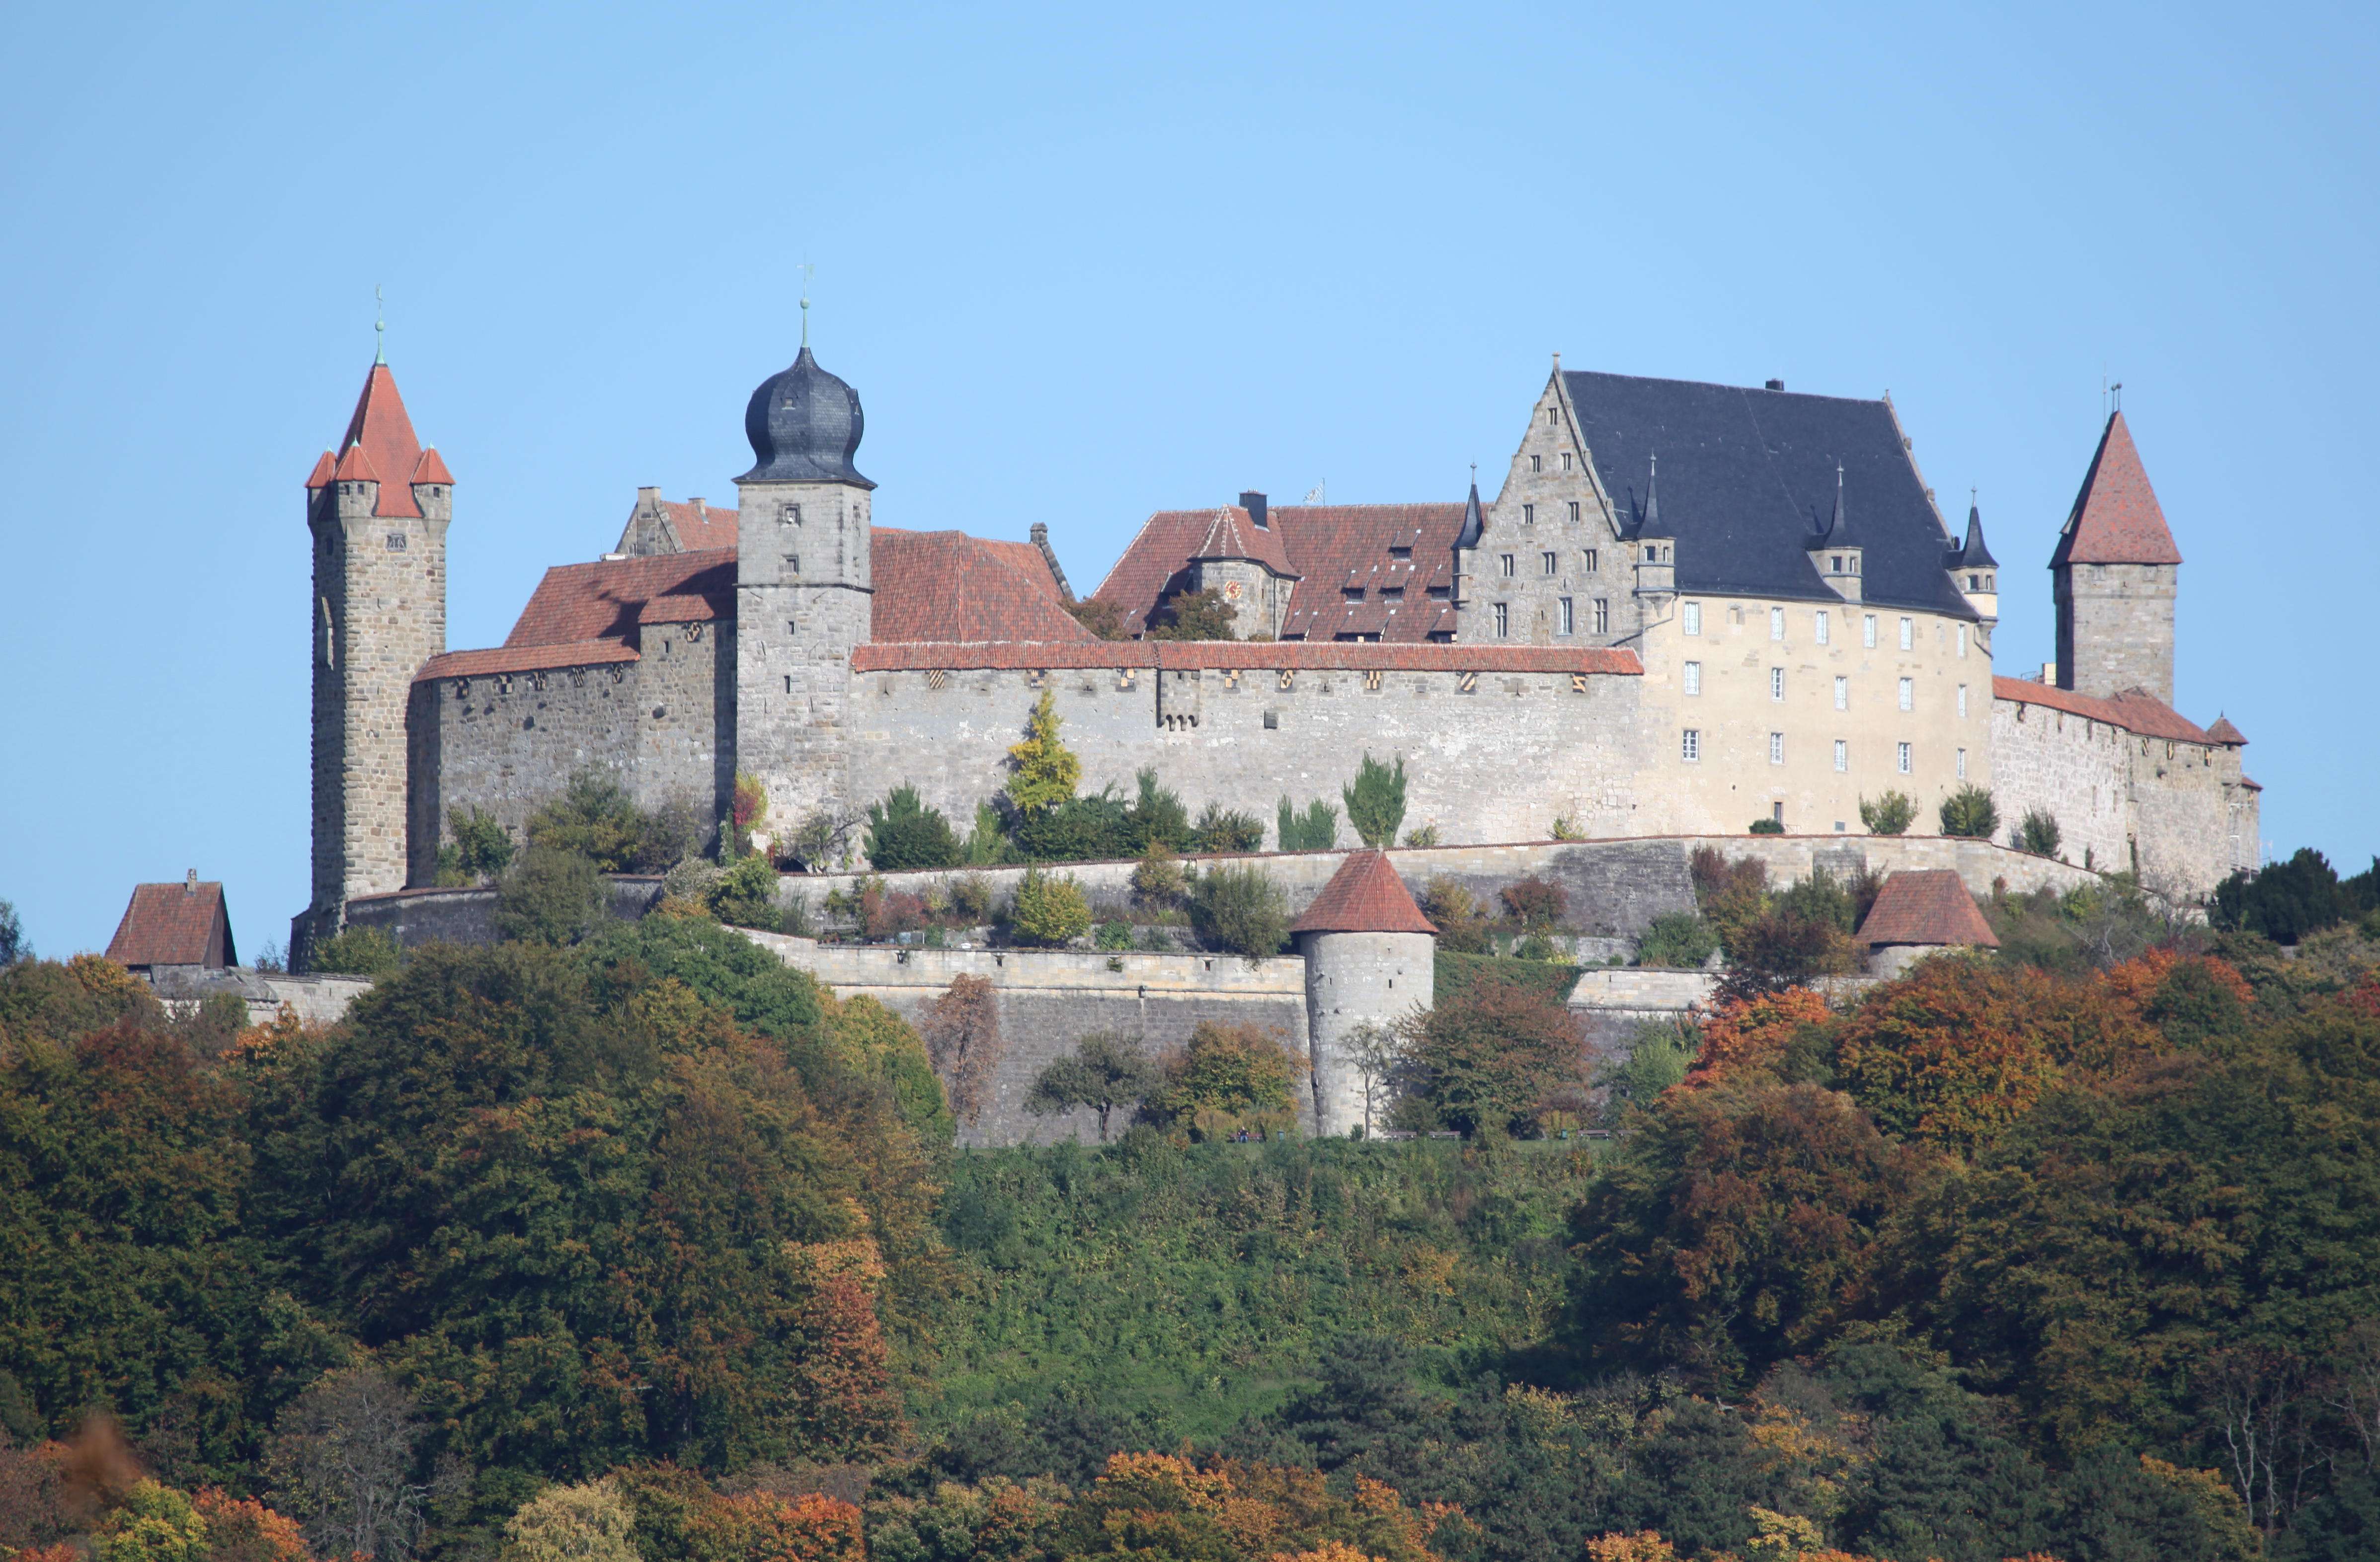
1461,926
1660,1053
747,808
1106,1069
1227,829
1192,615
1819,897
1047,771
1049,909
355,951
1157,818
1227,1078
1483,1060
1891,814
1240,909
1565,828
988,842
819,841
1099,616
1728,894
1115,936
2038,833
1535,903
887,914
481,848
1971,812
744,895
1317,829
1158,878
593,818
1767,826
1785,946
904,834
971,897
1677,938
1079,829
1422,835
550,896
1376,801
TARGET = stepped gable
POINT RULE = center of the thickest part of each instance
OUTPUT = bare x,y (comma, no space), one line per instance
2135,710
380,435
1347,557
185,924
948,586
1364,896
585,614
1926,907
1748,478
2115,518
1162,552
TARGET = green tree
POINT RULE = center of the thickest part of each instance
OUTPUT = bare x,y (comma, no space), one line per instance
1971,812
1229,1077
481,847
595,818
1050,908
904,834
1106,1069
355,951
1046,769
1192,615
1891,814
154,1523
1227,829
745,894
1376,801
1240,909
1317,829
2037,832
1677,938
14,946
1486,1058
589,1523
2284,901
550,896
1157,818
1660,1053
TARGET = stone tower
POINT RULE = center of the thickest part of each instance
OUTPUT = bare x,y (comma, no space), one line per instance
1368,959
803,593
2114,574
378,509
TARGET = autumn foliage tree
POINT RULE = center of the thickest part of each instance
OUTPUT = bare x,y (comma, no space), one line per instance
1486,1058
961,1030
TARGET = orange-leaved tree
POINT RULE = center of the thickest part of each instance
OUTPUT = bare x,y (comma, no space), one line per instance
1749,1036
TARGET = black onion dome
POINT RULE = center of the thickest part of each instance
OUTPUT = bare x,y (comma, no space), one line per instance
805,425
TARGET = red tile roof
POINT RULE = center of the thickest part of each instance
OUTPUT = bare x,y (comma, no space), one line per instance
2135,710
2115,518
525,659
184,924
947,585
385,434
325,472
1170,540
1926,906
356,466
431,469
1338,547
2224,731
699,527
1247,655
1363,896
583,614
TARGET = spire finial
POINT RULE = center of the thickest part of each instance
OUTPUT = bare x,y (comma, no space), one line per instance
379,329
806,269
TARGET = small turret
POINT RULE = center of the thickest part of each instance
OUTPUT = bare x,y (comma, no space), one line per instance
1835,552
1657,551
1974,571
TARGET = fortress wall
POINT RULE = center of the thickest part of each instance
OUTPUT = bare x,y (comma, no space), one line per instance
684,734
2192,829
1496,761
2075,767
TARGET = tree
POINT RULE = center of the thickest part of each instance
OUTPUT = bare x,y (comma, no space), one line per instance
961,1030
1378,1054
1227,1077
1099,616
1050,908
1784,947
1157,818
355,951
1192,615
1660,1053
342,1462
1677,938
595,818
904,834
550,896
1891,814
14,946
2038,833
1106,1069
2286,900
1157,879
481,848
1240,909
1486,1058
1227,829
745,894
1536,903
154,1523
1971,812
1376,801
1047,771
1950,1053
1461,926
589,1523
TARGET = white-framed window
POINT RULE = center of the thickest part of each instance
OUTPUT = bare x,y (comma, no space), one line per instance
1962,639
1908,634
1537,463
1842,755
1693,616
791,515
1963,702
1690,747
1693,677
1777,748
1777,623
1776,683
1550,560
1908,694
1901,756
1962,764
1603,616
1842,694
1825,630
1508,564
1867,630
1528,514
1503,619
1569,617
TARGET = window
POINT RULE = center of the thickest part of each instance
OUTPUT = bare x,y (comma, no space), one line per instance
1903,756
1603,616
1867,630
1537,463
1962,764
1693,617
1400,552
1693,677
1842,755
1691,749
1553,416
1352,593
1826,630
1506,566
1834,564
1908,694
789,682
1963,702
1503,619
1550,560
1842,694
1590,552
1962,639
1908,634
1528,514
1569,619
1574,509
1777,623
1392,593
1776,683
1574,503
791,515
1777,748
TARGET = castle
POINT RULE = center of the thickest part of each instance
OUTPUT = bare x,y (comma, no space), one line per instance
1688,608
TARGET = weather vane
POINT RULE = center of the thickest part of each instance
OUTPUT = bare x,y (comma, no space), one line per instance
380,328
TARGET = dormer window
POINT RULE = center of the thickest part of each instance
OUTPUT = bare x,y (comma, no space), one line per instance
1400,552
1353,593
1392,593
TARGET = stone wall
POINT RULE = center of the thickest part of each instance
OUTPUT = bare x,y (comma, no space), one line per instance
1353,980
1549,478
2115,628
804,591
415,917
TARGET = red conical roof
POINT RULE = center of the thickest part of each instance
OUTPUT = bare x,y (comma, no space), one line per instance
2116,519
325,472
1926,907
381,429
1363,896
429,469
356,466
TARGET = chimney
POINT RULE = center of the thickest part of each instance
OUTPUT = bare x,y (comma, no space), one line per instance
190,885
1254,504
1777,384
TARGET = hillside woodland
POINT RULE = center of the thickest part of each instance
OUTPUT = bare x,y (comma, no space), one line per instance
630,1242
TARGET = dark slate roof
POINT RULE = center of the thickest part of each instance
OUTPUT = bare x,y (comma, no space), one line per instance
805,425
1748,483
1974,554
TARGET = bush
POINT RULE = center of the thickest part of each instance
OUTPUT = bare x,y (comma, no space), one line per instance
2038,833
1767,826
355,951
1486,1058
1728,894
1080,829
1157,816
1229,1078
1317,829
1158,878
1678,938
1240,909
1891,814
1461,926
1115,936
594,818
821,842
971,897
1376,801
1192,615
1785,946
2286,900
1660,1053
550,896
1227,829
482,847
1422,835
1971,812
1050,910
748,806
1535,903
1564,827
744,895
904,834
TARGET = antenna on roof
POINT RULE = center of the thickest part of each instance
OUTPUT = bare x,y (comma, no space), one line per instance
1317,494
379,329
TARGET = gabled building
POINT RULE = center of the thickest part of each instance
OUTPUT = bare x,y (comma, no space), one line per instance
183,926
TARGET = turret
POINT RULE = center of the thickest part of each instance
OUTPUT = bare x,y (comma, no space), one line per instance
1975,572
2115,575
1369,954
1835,552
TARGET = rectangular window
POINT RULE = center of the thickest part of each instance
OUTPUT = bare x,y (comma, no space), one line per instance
1574,509
1842,755
1903,758
1503,619
1574,503
1777,748
1825,629
1962,639
1777,623
1537,463
1694,625
1908,634
1962,764
1603,616
1692,748
1553,416
1842,694
1867,630
1693,677
1528,514
1569,618
1549,562
1507,564
1963,702
1590,552
1776,683
1908,694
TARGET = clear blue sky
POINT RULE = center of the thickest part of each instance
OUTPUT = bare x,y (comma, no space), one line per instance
1086,262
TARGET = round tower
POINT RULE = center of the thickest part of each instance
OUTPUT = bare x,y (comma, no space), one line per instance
1369,961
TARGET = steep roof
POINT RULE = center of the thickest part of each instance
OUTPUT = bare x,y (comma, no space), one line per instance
699,527
1975,553
1170,540
947,585
2115,518
1748,483
184,924
2224,732
383,434
1926,906
1344,548
1363,896
2135,710
584,615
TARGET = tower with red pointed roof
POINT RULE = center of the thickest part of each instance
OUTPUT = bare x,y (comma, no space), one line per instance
1370,958
378,507
2114,575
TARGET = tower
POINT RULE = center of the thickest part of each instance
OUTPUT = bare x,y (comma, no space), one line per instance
378,508
2114,575
803,592
1369,961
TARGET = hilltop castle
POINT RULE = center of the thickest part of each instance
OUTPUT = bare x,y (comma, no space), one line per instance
1688,607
